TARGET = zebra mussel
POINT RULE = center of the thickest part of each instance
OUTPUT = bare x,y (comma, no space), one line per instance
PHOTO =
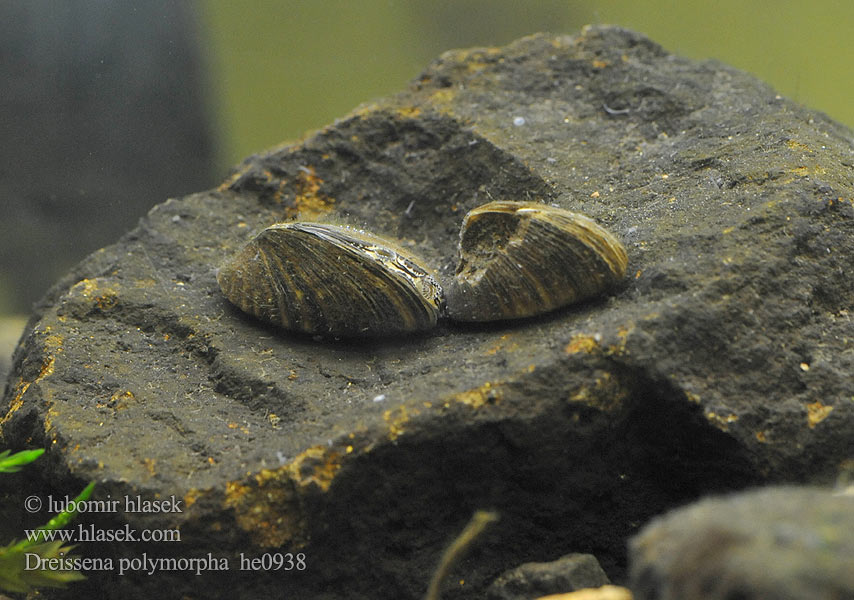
517,260
325,279
520,259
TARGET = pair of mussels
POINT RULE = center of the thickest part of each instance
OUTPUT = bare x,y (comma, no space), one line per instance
517,259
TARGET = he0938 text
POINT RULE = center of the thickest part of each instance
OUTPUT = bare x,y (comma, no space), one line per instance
273,561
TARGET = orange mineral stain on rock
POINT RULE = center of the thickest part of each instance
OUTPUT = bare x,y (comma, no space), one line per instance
816,413
806,170
619,349
607,393
502,345
309,203
442,98
582,342
477,397
121,399
795,145
721,421
18,400
101,296
409,112
396,419
270,505
314,467
191,496
52,347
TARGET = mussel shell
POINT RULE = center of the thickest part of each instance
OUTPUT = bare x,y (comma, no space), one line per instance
519,259
330,280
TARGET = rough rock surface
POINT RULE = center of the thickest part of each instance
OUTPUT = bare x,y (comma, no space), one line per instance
532,580
780,542
724,360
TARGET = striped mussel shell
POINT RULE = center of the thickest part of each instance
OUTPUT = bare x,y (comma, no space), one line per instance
519,259
329,280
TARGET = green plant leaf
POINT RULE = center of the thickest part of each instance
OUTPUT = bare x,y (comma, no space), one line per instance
16,577
18,572
60,520
63,518
13,463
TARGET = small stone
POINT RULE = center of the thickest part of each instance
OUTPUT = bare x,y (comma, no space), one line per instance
531,580
785,542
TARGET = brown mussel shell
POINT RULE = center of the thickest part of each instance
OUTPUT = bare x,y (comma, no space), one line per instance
329,280
519,259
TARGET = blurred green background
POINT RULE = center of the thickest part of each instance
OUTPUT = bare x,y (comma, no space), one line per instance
282,68
274,70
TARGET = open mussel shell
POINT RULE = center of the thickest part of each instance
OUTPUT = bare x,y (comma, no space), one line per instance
519,259
330,280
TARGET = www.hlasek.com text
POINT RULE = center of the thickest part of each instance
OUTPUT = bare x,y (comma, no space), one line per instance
89,533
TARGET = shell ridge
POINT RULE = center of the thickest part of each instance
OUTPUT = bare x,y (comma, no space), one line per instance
274,282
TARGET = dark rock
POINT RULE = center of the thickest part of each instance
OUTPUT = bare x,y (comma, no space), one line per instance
532,580
723,361
785,542
104,114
